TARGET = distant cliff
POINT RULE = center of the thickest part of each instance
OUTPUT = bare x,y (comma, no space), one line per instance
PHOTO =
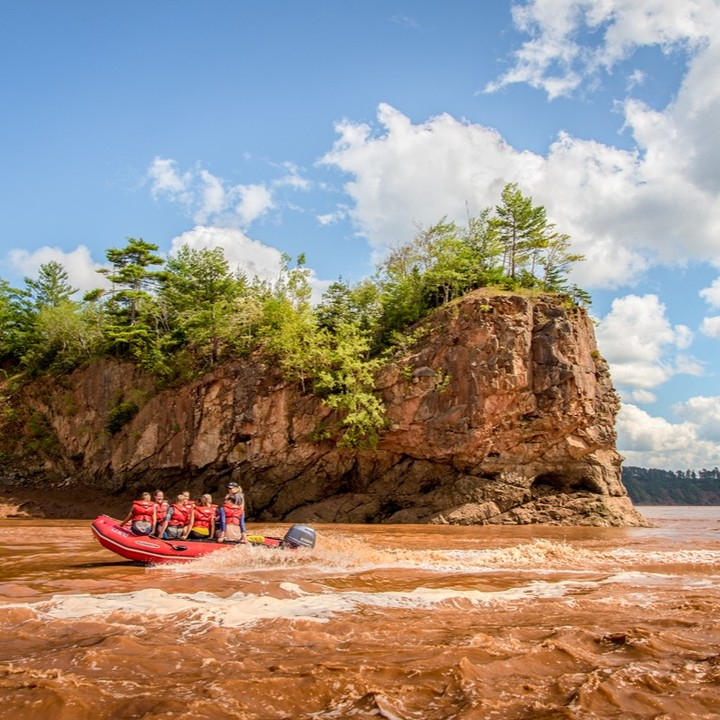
503,413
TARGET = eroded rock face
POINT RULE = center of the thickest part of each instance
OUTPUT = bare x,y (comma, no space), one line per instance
504,413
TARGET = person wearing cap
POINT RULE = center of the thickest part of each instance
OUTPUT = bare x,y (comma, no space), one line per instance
231,516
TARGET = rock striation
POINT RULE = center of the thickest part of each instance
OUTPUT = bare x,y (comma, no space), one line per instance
502,413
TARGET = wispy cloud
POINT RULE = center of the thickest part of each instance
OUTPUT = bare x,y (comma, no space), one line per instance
572,40
407,21
208,198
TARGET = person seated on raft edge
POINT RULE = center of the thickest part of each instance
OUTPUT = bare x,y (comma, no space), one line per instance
201,525
161,508
176,521
142,516
231,521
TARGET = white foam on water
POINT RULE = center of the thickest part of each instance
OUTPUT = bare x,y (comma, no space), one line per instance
292,588
670,557
199,609
644,579
240,559
338,553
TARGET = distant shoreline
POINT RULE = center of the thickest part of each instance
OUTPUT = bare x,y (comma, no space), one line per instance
665,487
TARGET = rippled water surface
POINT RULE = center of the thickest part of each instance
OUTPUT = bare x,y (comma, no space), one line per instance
392,622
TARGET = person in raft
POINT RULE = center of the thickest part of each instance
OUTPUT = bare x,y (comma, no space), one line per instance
142,516
231,520
202,519
175,525
161,508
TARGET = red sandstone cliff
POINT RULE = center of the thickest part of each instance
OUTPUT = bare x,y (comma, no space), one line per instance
504,413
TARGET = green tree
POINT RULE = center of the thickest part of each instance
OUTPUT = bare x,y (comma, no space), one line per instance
134,322
131,277
487,249
400,278
344,378
289,326
335,306
520,227
327,350
65,336
441,263
557,260
51,287
201,296
358,304
452,263
16,323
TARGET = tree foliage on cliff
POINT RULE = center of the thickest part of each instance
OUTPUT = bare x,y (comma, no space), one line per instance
178,318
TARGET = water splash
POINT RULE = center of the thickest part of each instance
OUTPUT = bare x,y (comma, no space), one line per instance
340,553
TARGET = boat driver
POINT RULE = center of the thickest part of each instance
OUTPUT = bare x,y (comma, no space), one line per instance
231,520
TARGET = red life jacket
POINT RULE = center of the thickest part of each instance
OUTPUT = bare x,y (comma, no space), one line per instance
233,513
203,516
179,516
161,509
142,510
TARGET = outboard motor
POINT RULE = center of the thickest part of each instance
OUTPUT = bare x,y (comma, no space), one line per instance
300,536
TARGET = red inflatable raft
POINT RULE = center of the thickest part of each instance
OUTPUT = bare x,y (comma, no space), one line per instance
145,549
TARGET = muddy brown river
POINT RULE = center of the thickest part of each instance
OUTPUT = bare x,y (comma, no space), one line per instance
398,622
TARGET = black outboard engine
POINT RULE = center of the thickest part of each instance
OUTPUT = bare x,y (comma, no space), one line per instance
300,536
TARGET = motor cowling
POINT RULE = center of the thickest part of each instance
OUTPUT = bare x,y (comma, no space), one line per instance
300,536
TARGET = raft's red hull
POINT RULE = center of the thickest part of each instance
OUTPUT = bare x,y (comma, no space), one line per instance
145,549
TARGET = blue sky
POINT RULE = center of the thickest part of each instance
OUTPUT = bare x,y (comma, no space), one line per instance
333,129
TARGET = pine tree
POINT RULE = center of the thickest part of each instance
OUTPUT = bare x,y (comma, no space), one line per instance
134,321
519,226
130,276
51,288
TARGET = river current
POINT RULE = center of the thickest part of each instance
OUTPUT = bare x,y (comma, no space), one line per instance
398,622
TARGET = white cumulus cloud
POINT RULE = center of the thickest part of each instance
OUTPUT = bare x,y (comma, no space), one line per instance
243,253
166,180
624,210
641,346
711,294
704,413
711,326
411,174
254,201
293,178
647,441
